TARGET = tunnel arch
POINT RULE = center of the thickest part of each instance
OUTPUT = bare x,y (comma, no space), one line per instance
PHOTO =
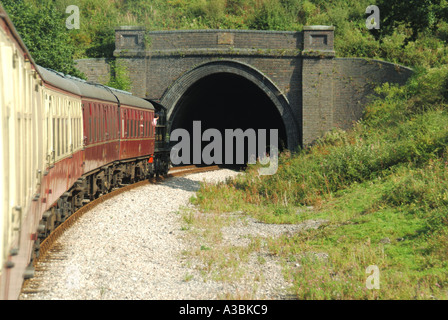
173,96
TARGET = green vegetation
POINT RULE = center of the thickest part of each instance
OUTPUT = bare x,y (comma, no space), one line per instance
382,186
412,33
119,76
43,30
383,189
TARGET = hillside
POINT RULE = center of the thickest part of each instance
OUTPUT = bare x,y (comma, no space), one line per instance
411,33
381,189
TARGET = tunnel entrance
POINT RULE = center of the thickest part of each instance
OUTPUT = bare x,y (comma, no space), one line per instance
227,101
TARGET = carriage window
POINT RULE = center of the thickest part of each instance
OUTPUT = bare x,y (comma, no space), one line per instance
114,125
62,130
72,133
93,128
66,138
58,134
103,124
132,128
77,142
54,134
75,133
90,129
90,123
100,123
97,128
134,124
80,133
64,134
98,119
97,123
112,122
128,129
103,131
108,122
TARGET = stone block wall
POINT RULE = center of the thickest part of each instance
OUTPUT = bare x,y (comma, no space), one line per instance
354,82
95,69
317,90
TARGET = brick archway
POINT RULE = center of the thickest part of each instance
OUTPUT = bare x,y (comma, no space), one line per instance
175,92
312,90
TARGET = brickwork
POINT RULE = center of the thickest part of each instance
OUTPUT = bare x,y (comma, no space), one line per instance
312,90
317,101
243,39
354,80
97,70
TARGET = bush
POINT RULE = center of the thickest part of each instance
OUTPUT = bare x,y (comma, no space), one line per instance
43,30
414,131
119,76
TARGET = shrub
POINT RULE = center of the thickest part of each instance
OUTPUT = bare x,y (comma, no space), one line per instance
119,76
43,30
425,188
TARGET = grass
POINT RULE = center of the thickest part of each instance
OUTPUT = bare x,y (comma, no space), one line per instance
363,232
382,187
216,260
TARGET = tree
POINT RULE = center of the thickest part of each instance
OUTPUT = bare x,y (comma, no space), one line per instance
44,33
419,15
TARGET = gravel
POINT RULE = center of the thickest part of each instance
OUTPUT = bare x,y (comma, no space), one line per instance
131,247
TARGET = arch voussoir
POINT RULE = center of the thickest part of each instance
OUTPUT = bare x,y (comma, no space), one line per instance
179,87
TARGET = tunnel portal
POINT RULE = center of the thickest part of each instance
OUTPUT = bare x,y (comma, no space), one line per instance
228,101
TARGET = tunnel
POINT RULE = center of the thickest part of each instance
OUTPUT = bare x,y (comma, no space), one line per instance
227,101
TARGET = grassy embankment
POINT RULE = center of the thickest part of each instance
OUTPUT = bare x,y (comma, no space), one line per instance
410,34
382,188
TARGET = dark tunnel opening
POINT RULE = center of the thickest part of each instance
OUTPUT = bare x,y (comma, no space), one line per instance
227,101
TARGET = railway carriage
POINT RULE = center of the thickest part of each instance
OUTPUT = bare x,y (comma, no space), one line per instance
62,137
63,143
22,156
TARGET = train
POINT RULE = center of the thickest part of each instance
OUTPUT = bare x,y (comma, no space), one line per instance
64,141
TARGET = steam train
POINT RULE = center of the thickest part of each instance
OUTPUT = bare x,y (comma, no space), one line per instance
63,142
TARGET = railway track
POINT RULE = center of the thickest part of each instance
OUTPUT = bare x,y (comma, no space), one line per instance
49,246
